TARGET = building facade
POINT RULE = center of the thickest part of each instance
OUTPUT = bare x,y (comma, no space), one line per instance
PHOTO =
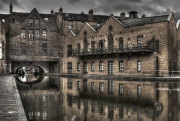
32,39
121,45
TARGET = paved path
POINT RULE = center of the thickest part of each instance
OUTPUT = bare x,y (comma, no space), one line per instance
11,108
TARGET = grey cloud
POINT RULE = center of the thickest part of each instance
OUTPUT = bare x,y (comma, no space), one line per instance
148,7
5,3
73,1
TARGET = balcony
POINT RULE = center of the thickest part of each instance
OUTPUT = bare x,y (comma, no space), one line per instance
126,48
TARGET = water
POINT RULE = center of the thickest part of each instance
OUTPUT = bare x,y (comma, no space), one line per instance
73,99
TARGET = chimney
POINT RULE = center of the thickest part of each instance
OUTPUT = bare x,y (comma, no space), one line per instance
82,12
60,11
122,15
90,16
111,14
143,16
10,8
52,12
133,14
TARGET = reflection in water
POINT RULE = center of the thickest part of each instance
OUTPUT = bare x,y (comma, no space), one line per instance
102,100
29,74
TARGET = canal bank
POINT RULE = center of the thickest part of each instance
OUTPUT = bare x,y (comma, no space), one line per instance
11,108
118,77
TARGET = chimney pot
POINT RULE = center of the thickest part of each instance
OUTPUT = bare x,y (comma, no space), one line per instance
10,8
133,14
60,11
122,15
90,16
143,16
82,12
52,11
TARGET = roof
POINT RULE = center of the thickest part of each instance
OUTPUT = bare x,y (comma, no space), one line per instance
143,21
83,17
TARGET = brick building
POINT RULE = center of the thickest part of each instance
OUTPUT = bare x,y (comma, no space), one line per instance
118,45
32,39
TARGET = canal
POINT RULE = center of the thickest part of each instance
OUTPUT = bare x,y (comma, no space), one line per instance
53,98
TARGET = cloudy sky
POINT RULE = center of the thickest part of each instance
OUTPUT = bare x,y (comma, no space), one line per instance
147,7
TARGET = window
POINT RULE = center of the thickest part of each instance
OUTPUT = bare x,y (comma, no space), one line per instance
3,47
78,48
121,44
121,66
121,112
111,86
101,45
69,50
30,34
44,34
93,106
23,33
92,86
110,28
70,24
37,21
139,90
78,66
121,89
92,45
138,65
156,46
139,41
85,67
44,48
78,85
101,87
69,85
85,85
37,33
30,21
69,67
101,109
46,19
92,66
23,48
0,50
101,66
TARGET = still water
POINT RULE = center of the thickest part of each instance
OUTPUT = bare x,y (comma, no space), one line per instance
74,99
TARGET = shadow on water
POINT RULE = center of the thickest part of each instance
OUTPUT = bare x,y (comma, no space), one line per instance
72,99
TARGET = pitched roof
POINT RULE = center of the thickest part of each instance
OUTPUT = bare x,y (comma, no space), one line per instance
143,21
83,17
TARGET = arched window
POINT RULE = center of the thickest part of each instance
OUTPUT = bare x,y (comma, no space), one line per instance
85,40
121,44
110,28
110,41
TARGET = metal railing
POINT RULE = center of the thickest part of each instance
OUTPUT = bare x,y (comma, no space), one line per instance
125,48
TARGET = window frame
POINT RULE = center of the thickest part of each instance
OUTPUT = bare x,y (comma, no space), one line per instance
78,85
44,34
37,21
156,46
31,21
23,33
23,48
92,86
69,50
37,33
78,66
101,87
139,90
44,48
101,66
31,34
139,65
121,89
121,66
92,66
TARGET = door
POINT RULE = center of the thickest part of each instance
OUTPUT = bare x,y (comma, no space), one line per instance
110,68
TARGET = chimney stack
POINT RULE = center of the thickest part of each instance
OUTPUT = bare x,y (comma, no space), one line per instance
122,15
52,11
90,16
143,16
82,12
60,11
10,8
133,14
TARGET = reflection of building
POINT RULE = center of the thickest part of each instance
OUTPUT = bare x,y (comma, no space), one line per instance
119,45
41,105
105,100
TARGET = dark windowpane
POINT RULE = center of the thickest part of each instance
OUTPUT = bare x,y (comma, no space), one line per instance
156,46
23,48
44,34
69,50
44,48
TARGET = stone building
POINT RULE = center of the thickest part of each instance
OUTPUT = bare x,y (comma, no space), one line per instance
118,45
32,39
3,62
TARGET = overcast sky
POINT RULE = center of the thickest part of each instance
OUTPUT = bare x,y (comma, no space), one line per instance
147,7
